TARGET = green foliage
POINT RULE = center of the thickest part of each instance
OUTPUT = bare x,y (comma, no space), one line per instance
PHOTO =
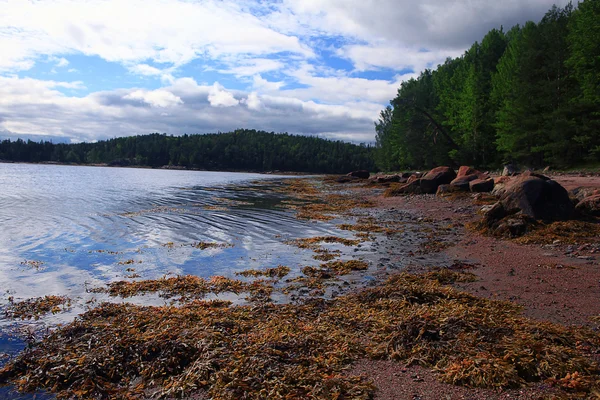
530,95
244,150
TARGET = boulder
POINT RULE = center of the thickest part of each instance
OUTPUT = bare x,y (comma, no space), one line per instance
513,226
412,178
482,185
510,170
447,189
436,177
413,187
465,171
590,205
581,193
492,213
534,174
537,198
347,179
407,174
500,184
388,179
362,174
462,182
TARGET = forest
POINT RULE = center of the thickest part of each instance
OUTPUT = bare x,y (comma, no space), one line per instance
241,150
529,95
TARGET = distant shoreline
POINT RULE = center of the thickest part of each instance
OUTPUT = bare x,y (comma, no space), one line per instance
164,167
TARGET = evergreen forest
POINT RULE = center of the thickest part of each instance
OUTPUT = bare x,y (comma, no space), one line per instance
529,95
241,150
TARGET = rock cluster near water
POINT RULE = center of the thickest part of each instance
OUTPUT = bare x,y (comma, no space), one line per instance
524,199
440,180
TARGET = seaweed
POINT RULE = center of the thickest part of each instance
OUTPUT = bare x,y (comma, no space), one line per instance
567,232
314,242
35,308
340,267
277,272
289,351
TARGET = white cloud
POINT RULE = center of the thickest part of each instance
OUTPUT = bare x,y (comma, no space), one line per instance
59,62
259,83
156,98
133,31
253,66
219,97
145,69
30,106
253,102
368,57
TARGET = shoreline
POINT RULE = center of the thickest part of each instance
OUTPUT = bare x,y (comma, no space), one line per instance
165,167
434,235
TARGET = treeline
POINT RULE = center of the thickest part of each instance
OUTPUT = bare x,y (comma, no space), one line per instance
244,150
530,95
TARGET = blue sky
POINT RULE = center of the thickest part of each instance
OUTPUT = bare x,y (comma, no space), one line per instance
83,70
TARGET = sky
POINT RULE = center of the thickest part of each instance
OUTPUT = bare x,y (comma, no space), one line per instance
86,70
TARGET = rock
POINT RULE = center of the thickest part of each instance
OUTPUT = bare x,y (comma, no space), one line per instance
346,179
537,198
389,179
462,182
465,170
512,227
510,170
412,178
447,189
534,174
413,187
492,213
590,205
436,177
482,185
362,174
546,170
581,193
500,184
407,174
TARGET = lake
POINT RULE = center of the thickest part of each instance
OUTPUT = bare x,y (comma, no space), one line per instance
65,229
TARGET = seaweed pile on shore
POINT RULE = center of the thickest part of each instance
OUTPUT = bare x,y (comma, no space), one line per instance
302,350
320,207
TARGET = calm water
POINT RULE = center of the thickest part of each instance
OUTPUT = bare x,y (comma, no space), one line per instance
64,229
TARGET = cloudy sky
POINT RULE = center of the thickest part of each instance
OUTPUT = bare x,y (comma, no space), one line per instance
83,70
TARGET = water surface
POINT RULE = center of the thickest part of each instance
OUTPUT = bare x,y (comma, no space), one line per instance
65,229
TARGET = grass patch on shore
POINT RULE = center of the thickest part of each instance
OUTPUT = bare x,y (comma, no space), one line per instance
291,351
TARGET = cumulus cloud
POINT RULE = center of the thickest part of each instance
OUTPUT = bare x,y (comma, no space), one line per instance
219,97
155,98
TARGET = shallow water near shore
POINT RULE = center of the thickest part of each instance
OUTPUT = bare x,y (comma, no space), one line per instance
66,229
